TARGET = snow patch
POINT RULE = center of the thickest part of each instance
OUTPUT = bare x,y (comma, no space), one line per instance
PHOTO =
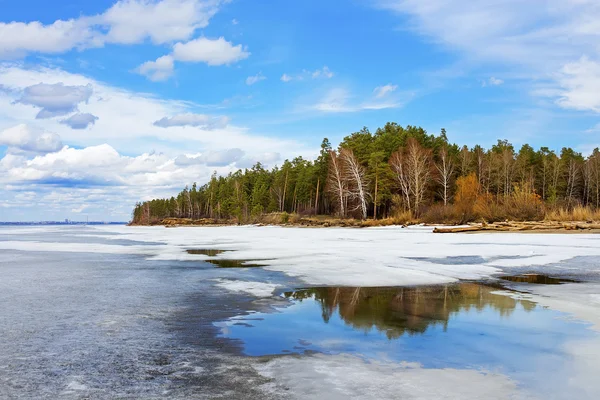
258,289
348,377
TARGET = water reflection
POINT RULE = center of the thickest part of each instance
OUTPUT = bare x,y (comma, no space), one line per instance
458,326
406,310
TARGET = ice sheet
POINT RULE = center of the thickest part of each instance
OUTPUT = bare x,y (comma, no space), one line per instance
258,289
348,377
366,257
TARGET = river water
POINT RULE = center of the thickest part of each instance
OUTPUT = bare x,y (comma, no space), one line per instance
91,312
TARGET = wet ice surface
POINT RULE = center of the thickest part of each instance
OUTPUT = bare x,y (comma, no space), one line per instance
90,325
106,312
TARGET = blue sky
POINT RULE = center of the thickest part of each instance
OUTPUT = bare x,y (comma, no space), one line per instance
105,103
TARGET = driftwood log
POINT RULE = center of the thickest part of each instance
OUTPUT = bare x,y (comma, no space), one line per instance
521,226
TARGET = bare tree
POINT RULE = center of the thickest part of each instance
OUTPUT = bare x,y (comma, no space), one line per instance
508,159
594,161
445,170
400,169
412,167
356,176
336,184
572,179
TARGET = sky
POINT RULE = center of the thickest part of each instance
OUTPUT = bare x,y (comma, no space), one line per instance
105,103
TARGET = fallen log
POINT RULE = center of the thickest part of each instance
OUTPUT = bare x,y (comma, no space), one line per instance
458,229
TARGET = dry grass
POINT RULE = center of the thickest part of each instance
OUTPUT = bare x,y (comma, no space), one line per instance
577,213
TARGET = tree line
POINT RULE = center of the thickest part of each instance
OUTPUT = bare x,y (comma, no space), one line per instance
395,170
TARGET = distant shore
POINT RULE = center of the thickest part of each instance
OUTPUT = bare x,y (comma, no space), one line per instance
326,222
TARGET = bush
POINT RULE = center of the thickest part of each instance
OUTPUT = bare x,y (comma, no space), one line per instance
440,214
577,213
467,191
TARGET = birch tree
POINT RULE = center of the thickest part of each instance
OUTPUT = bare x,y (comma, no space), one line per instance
336,184
358,185
445,169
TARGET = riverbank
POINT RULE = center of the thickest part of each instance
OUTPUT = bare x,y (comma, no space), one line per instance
321,221
283,219
527,226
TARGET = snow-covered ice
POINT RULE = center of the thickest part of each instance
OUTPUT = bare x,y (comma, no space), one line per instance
349,377
363,257
258,289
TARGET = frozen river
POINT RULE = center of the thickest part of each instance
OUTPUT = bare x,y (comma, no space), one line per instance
269,312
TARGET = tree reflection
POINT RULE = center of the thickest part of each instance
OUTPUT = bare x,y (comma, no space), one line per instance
407,310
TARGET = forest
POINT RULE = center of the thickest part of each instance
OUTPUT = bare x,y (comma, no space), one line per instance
399,173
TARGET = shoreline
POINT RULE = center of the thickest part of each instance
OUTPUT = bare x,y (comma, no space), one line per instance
321,222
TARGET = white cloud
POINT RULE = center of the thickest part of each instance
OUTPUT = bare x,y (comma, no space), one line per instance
80,120
382,91
18,38
212,52
234,22
55,99
126,22
158,70
251,80
269,159
202,121
340,100
220,158
126,118
22,138
321,73
209,51
579,83
132,21
545,42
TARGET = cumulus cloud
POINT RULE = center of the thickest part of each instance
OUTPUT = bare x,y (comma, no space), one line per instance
126,22
159,70
18,38
202,121
55,99
127,118
321,73
251,80
132,21
210,51
382,91
80,120
25,139
220,158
